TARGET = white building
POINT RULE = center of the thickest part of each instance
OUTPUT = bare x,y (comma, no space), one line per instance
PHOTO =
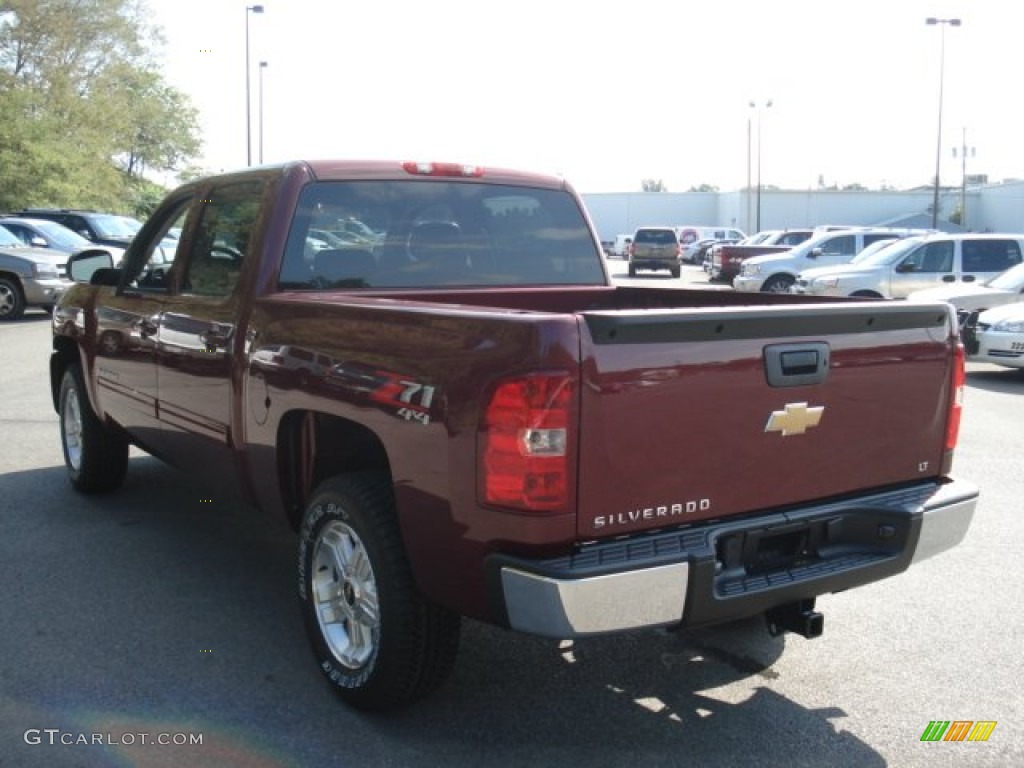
990,208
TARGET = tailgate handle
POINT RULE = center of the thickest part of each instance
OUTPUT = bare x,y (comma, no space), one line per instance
796,365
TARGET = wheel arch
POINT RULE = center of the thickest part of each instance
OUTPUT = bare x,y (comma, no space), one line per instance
313,446
867,294
65,353
788,277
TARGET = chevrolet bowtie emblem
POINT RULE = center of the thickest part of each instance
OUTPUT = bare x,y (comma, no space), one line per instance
795,419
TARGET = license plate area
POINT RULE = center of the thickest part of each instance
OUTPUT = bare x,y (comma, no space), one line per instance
768,550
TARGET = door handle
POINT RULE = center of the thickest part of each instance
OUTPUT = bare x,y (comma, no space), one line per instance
968,278
949,279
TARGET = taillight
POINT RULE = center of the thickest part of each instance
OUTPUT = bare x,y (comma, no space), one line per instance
524,443
956,398
443,169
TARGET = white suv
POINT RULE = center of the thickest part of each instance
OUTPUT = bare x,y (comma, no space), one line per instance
777,273
917,264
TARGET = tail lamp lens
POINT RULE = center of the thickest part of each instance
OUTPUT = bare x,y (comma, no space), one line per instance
956,399
524,445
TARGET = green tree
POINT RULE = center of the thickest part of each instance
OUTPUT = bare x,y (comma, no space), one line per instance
85,111
653,185
704,188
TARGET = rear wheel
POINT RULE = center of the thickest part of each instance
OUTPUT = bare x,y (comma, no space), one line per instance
96,456
377,640
12,303
777,284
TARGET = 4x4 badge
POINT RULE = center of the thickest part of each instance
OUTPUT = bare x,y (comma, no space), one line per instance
795,419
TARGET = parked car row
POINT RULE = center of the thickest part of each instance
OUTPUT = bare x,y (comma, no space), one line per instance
668,247
35,244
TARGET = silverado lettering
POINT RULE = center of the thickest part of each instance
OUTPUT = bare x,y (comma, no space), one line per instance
650,513
425,369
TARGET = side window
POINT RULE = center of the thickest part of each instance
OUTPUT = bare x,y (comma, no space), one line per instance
222,238
990,255
150,269
936,257
20,232
844,245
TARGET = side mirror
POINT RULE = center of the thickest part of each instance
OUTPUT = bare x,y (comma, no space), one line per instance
37,242
82,266
84,233
816,252
906,267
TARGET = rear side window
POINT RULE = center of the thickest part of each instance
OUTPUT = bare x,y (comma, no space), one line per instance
990,255
655,237
433,234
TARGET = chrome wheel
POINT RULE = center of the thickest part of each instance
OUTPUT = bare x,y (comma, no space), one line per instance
6,299
345,595
71,428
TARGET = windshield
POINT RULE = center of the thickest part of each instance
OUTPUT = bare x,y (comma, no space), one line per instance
114,226
7,240
61,235
1010,280
885,252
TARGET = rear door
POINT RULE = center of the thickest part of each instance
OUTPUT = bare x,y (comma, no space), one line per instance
983,259
714,413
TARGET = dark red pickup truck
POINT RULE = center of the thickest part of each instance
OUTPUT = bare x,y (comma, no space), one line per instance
425,369
725,260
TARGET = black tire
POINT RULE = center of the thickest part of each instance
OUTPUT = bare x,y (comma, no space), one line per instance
12,301
777,284
378,641
96,456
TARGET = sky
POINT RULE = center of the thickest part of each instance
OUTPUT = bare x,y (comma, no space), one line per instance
610,93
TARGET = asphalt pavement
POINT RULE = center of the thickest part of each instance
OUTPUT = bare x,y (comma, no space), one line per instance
160,613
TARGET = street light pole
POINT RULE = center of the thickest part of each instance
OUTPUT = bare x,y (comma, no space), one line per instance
942,23
263,65
248,67
759,107
749,217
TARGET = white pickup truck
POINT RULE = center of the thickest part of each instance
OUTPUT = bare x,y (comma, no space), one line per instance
777,273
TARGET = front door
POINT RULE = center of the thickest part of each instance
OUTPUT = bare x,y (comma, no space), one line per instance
197,343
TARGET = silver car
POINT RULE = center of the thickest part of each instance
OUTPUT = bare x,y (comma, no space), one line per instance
29,276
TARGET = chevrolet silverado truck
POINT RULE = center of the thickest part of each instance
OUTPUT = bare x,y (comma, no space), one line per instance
464,417
726,259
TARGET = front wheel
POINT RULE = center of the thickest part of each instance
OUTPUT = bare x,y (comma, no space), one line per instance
377,640
96,457
777,284
12,304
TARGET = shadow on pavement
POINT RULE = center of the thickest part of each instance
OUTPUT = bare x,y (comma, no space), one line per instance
1004,380
159,608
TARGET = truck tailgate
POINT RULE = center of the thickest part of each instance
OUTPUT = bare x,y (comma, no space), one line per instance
708,413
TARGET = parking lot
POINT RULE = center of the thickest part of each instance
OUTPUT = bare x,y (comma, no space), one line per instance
161,610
